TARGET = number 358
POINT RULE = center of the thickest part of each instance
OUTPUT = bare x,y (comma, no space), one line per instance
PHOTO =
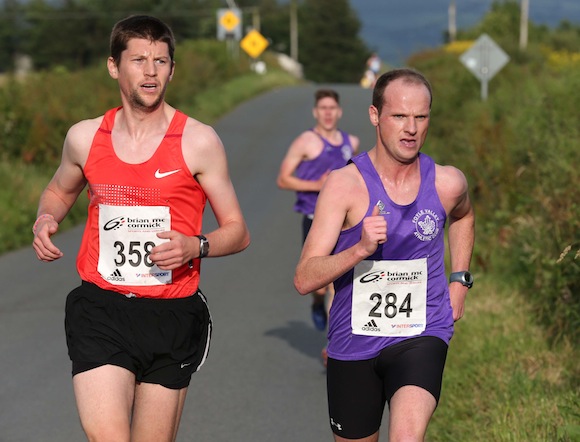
136,254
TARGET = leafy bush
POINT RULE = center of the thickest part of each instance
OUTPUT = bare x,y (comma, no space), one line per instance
38,111
519,151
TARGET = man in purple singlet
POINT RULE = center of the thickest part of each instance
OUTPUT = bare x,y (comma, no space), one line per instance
378,235
309,160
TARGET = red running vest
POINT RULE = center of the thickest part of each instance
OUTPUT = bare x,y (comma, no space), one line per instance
163,181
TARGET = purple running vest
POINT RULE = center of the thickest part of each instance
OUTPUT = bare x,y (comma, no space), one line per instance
332,157
414,231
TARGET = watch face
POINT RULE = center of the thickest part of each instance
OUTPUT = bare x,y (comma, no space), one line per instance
465,278
203,246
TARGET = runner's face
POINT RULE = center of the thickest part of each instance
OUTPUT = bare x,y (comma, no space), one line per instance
327,112
403,123
143,73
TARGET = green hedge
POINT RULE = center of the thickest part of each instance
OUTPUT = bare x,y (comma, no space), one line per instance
36,112
519,150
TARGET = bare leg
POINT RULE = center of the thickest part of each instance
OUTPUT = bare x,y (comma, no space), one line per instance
319,316
318,296
107,397
409,414
104,398
329,299
371,438
157,413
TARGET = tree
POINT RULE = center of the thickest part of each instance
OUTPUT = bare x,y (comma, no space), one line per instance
70,35
275,24
75,33
10,34
330,47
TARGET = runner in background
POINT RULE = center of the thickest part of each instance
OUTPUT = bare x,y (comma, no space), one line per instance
372,71
305,167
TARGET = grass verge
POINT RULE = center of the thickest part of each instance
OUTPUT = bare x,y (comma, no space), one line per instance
211,104
503,381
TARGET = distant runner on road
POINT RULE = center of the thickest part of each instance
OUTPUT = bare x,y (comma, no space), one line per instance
304,169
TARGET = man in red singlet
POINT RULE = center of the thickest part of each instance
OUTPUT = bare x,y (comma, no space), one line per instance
138,326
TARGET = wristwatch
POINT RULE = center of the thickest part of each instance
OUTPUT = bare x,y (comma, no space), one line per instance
464,278
203,246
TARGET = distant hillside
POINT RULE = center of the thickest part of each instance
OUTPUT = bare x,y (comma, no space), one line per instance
398,29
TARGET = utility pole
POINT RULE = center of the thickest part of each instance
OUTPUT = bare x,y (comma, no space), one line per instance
524,13
293,30
256,22
452,13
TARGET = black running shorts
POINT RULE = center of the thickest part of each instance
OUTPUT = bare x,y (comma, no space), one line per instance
162,341
358,390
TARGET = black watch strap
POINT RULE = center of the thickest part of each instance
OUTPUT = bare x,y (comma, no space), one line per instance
203,246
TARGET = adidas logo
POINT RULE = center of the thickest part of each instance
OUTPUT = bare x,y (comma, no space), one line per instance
115,276
371,326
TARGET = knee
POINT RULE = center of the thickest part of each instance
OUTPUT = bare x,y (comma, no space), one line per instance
107,433
406,435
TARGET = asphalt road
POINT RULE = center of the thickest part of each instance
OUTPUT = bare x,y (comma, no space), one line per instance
264,380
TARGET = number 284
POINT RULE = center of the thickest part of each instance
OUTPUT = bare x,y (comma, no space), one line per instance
391,307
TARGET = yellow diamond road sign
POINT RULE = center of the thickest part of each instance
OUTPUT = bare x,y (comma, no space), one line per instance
229,24
229,21
254,43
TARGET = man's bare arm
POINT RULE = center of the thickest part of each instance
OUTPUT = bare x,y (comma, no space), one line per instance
461,231
317,267
301,149
206,157
63,190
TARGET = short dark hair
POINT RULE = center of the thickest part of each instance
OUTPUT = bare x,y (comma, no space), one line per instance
409,75
139,26
324,93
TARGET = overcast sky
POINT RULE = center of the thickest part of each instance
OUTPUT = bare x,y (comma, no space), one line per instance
396,29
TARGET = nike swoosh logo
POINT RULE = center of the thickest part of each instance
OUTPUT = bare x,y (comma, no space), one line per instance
159,174
186,364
